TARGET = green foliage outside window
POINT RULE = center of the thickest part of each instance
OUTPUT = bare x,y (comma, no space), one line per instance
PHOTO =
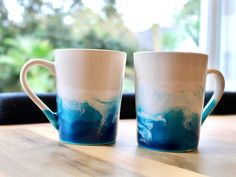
45,28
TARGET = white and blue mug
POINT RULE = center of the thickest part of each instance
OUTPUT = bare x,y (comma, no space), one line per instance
89,90
170,90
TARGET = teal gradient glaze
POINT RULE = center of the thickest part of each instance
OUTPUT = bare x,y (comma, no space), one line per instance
81,123
52,117
161,150
208,109
91,144
170,130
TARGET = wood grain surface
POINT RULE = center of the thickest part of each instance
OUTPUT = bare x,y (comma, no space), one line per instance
34,150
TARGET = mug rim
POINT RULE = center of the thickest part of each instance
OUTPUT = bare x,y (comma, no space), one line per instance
87,49
170,52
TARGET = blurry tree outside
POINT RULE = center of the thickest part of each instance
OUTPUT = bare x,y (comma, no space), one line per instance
45,27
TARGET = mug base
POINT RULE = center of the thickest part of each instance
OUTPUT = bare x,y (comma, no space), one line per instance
87,144
168,150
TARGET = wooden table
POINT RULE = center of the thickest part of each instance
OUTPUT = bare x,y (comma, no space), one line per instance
34,150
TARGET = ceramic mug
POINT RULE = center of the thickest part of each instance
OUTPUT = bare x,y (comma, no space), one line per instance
89,86
170,90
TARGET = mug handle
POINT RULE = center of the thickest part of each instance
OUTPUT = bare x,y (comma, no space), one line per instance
52,116
215,98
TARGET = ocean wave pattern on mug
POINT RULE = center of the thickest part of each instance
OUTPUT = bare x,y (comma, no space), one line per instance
169,119
88,122
169,130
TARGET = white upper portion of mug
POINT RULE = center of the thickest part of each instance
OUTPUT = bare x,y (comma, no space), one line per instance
90,70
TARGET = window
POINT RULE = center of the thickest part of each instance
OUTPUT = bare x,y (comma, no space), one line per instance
217,38
31,28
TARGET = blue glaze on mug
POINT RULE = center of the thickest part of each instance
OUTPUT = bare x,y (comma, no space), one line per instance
170,130
52,117
208,109
81,123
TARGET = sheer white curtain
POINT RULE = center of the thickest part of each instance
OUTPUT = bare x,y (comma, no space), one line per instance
228,43
218,37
